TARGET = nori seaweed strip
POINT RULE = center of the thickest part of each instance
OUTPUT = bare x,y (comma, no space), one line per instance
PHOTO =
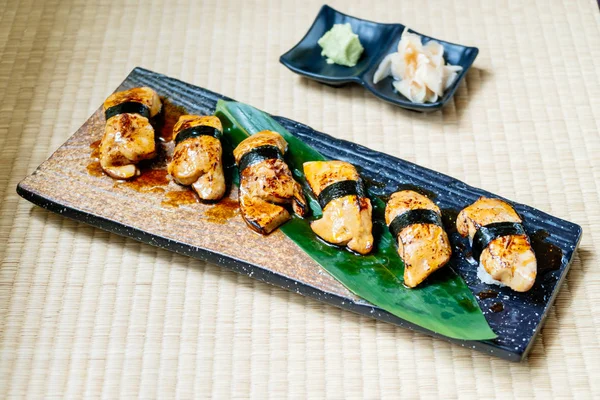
487,233
341,189
411,217
259,154
129,107
195,131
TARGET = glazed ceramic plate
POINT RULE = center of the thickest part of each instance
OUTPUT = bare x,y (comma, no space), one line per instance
154,210
379,40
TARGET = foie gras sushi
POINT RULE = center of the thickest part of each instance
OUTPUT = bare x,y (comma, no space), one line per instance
198,156
266,182
416,223
500,244
346,208
128,135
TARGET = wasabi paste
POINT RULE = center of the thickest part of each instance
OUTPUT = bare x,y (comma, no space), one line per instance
341,45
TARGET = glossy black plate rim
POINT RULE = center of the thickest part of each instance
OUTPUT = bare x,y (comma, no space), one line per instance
401,101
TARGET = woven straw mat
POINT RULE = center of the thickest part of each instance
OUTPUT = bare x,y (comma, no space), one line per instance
85,313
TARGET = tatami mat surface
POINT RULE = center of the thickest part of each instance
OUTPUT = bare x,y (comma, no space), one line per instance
84,313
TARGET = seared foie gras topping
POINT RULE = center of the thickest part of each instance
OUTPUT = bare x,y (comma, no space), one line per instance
128,135
347,211
197,159
142,95
260,139
266,182
415,221
505,252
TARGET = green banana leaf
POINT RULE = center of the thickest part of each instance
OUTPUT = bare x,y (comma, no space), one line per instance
443,304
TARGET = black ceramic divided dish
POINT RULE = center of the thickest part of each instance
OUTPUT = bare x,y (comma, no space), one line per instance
516,324
378,40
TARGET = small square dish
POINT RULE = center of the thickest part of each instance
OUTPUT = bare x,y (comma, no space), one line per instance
378,41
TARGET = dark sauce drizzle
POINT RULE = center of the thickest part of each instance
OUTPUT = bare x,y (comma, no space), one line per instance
487,294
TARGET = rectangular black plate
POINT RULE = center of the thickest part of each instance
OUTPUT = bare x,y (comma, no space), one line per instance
523,314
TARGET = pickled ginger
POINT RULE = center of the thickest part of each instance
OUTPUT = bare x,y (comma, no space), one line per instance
419,70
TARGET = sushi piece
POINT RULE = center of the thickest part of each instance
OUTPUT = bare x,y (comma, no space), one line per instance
266,182
416,222
128,135
347,210
197,159
499,242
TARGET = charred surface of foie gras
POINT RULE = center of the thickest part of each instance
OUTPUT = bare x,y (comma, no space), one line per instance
346,219
423,243
266,182
509,258
128,135
198,156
